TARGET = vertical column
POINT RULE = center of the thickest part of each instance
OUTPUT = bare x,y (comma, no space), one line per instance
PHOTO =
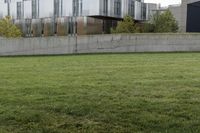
35,9
8,6
18,10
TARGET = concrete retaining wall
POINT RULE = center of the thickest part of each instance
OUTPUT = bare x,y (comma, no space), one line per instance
100,44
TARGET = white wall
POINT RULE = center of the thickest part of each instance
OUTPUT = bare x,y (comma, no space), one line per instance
91,7
13,8
67,8
46,8
3,9
27,9
150,10
138,12
125,7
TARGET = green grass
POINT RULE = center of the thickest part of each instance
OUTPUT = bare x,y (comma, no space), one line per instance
125,93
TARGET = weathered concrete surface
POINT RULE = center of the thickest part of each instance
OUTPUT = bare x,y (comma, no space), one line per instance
101,44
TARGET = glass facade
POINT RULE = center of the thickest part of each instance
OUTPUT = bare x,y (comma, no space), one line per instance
58,8
19,10
81,7
105,7
75,7
131,8
144,11
48,17
117,7
35,9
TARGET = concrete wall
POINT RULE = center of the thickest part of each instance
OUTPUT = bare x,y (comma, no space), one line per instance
180,13
101,43
177,11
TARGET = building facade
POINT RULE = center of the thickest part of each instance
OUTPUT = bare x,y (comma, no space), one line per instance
187,15
78,16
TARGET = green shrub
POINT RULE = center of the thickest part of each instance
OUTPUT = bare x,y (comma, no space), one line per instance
164,22
148,27
126,26
8,29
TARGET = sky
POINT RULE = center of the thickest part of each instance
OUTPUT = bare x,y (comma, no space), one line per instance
164,2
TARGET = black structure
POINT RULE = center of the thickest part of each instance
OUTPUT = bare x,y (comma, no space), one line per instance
193,17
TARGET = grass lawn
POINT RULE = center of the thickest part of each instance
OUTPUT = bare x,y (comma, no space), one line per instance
124,93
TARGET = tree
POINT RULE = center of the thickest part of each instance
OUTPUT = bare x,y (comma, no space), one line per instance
8,29
126,26
148,28
164,22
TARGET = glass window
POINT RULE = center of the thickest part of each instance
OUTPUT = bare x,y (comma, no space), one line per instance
131,8
117,7
19,10
81,7
56,8
105,7
75,7
144,11
34,9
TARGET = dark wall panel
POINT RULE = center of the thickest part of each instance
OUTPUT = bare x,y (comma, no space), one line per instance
193,17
